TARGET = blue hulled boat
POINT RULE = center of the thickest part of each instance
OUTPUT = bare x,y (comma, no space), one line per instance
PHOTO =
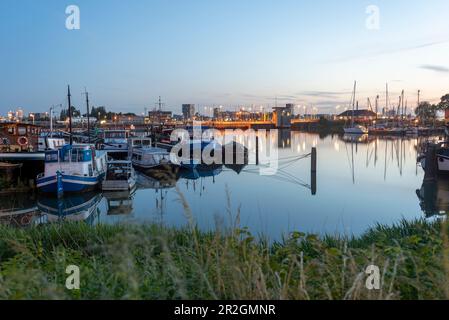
198,149
72,168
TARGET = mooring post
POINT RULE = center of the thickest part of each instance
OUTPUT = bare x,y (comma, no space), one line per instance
431,170
313,170
257,150
60,188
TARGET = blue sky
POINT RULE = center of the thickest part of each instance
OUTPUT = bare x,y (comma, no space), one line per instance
210,52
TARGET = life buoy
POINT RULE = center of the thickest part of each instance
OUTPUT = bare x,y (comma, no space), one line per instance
22,141
25,220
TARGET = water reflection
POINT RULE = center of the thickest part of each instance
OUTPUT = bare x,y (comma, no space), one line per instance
434,197
119,203
19,210
362,180
79,207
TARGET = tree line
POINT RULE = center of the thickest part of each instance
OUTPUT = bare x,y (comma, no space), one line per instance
99,113
426,110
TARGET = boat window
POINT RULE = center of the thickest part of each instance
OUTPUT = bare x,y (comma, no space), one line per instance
22,131
11,130
51,157
74,155
67,156
146,142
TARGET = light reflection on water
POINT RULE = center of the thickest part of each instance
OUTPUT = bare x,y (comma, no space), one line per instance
361,181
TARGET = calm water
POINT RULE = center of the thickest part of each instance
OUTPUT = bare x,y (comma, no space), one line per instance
360,182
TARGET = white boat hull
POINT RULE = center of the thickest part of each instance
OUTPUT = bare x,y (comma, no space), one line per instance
356,130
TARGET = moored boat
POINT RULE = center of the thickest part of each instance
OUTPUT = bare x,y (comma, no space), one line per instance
72,168
120,176
358,129
148,158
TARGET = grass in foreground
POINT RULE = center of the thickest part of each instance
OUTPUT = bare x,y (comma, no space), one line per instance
153,262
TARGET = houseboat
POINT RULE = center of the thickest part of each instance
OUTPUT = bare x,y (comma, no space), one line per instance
72,168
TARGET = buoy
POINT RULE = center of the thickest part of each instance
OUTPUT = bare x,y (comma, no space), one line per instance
22,141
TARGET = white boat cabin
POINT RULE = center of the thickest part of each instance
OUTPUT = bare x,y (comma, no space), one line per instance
150,157
115,139
76,160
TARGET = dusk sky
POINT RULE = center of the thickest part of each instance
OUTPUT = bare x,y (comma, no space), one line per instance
210,52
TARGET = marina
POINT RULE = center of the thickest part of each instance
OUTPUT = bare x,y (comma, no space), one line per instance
219,153
361,166
136,173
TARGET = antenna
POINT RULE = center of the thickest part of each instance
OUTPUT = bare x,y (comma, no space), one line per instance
88,111
159,106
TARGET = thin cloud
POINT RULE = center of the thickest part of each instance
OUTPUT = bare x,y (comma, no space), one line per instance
435,68
376,53
324,94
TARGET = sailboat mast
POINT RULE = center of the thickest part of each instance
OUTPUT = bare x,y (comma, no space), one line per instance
353,104
70,113
386,98
420,113
402,100
377,105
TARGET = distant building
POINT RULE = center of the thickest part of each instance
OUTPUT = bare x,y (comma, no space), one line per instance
19,114
82,120
160,116
358,115
217,114
282,116
178,117
39,116
188,111
130,119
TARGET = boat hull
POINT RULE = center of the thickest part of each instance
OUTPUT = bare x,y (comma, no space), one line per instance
356,131
124,185
71,184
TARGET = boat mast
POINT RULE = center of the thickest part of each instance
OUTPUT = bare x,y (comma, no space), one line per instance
353,104
420,113
377,106
70,113
386,101
402,100
88,116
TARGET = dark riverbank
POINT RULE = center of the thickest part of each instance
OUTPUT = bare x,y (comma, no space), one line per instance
152,262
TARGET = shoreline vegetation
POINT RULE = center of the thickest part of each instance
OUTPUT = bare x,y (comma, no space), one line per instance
156,262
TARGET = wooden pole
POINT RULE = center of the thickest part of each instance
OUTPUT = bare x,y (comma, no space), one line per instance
431,170
313,171
257,150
